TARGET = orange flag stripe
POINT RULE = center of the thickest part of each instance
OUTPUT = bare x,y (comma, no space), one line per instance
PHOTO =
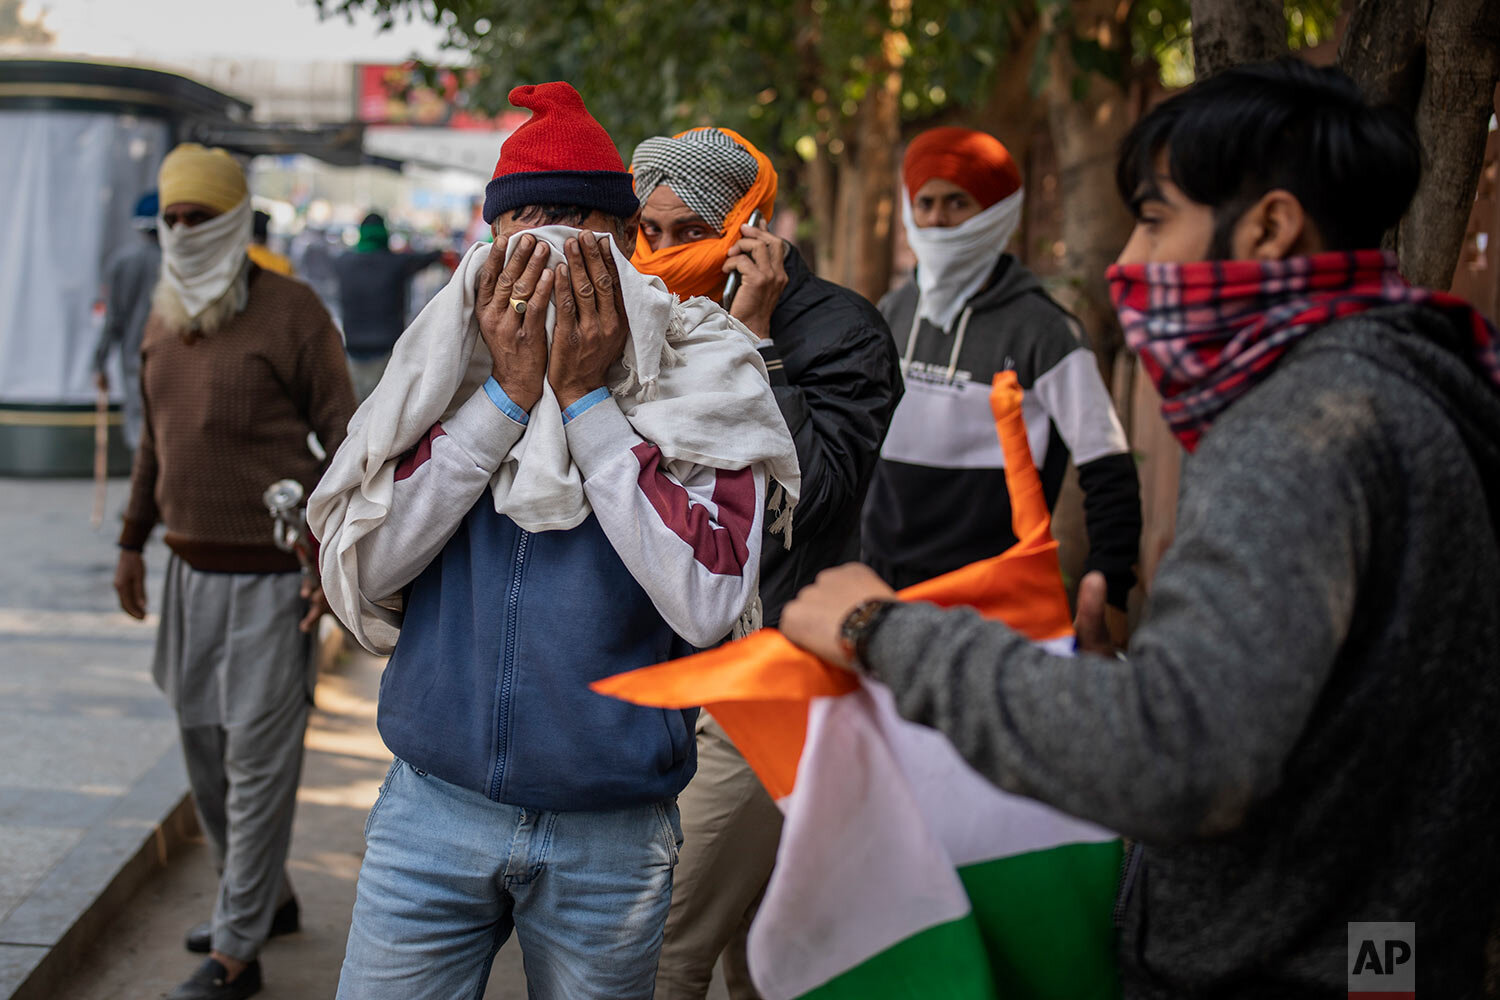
759,688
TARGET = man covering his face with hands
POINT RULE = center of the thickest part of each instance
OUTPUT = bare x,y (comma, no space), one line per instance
562,475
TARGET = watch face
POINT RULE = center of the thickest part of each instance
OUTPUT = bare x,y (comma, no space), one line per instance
856,621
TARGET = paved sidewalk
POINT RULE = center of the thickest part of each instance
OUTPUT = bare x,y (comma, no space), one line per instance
90,746
140,955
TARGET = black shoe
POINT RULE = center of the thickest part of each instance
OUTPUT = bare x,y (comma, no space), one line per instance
208,983
286,920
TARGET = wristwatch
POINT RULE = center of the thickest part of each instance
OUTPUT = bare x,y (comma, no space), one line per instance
859,625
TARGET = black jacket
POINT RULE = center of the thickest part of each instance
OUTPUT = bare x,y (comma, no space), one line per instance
835,373
373,291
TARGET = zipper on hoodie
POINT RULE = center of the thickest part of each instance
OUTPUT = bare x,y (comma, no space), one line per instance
508,658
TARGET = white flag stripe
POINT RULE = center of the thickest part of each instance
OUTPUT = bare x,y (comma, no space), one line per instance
990,822
858,870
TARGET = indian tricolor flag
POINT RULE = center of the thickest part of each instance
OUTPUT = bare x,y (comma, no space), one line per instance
901,871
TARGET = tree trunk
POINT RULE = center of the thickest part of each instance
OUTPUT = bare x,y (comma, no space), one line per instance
1009,114
822,197
1453,114
845,233
1087,116
1440,60
1231,32
822,183
878,128
1086,128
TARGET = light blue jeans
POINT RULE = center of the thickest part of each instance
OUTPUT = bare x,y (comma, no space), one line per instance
448,874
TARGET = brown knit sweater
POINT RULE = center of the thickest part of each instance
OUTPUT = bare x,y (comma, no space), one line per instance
227,415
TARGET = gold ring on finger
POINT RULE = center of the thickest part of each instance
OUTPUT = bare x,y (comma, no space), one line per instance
519,305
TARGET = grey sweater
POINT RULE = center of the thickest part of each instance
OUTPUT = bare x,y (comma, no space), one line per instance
1304,732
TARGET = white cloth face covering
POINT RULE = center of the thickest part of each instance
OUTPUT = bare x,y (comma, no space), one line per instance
953,262
690,382
200,263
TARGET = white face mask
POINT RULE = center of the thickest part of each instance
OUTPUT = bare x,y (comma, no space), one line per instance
201,262
953,262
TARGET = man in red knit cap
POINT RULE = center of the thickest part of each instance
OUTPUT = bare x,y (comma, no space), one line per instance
974,310
561,476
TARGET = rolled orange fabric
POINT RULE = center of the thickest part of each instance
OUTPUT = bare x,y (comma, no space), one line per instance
690,269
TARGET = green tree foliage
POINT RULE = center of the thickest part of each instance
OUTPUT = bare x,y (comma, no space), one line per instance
783,72
780,71
1161,31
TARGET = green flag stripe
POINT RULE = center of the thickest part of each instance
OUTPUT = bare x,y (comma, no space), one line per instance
1047,920
946,962
1041,929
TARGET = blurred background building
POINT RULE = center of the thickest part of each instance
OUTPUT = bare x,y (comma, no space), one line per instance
83,142
325,141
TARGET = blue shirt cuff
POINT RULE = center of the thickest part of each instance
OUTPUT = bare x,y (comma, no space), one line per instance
503,402
599,395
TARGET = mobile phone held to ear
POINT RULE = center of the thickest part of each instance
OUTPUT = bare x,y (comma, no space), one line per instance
732,283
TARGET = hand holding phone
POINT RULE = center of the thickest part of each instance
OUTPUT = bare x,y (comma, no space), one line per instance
732,283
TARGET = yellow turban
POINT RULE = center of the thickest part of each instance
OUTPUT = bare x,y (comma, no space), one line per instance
202,176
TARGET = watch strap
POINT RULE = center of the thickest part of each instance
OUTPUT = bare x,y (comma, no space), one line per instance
859,625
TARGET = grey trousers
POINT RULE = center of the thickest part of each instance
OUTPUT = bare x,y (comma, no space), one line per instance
239,674
730,831
244,780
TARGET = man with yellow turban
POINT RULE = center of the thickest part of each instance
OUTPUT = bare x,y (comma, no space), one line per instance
834,371
238,367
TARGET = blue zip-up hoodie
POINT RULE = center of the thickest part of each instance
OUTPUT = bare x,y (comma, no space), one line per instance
488,685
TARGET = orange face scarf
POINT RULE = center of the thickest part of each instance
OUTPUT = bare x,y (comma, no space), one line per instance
698,268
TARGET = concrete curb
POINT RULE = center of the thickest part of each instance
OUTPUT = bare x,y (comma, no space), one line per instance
47,934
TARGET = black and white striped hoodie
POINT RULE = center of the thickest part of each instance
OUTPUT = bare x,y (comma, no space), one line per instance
938,499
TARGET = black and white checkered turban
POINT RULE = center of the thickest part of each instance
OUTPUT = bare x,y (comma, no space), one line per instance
709,171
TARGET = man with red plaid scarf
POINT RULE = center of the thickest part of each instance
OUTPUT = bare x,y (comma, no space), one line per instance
1300,737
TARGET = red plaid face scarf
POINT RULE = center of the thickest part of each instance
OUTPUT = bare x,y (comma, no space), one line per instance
1208,331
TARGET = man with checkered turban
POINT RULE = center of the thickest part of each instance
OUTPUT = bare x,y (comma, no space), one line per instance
833,369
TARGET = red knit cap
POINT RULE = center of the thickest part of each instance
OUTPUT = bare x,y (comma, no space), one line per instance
559,156
975,161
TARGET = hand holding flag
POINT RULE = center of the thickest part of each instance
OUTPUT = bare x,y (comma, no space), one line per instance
901,871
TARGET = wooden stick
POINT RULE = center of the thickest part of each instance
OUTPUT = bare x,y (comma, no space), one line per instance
101,455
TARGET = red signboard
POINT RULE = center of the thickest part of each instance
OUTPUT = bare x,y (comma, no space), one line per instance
398,95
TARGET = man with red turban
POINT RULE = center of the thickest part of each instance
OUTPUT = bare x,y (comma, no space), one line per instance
938,500
834,371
